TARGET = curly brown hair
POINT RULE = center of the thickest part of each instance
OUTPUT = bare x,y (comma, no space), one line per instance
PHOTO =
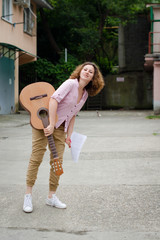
97,83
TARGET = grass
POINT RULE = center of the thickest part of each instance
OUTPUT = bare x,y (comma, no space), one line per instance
156,134
153,117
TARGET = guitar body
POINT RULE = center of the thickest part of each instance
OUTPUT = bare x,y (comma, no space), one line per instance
43,91
35,99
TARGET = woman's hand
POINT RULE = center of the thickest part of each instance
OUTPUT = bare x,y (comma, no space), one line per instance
49,130
68,142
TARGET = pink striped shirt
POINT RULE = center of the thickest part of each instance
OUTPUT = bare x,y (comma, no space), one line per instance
67,97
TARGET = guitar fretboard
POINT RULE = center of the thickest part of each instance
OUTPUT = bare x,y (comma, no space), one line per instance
52,146
45,122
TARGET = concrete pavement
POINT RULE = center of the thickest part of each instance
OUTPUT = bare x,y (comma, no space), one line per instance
112,193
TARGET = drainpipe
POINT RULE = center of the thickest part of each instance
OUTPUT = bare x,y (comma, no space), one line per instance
152,30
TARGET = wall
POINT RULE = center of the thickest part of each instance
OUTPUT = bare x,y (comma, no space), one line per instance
128,91
156,92
156,35
12,33
132,88
15,35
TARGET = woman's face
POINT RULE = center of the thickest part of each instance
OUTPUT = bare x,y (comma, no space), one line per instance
87,73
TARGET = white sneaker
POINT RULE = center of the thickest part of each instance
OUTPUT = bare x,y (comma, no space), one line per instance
55,202
27,206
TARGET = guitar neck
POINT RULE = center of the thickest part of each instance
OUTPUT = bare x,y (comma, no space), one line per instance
52,146
45,122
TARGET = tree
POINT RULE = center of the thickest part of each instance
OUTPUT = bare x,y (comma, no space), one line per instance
85,29
79,24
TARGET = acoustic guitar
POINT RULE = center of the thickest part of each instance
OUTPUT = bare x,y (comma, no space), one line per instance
34,98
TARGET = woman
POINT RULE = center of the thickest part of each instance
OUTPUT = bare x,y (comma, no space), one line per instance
66,102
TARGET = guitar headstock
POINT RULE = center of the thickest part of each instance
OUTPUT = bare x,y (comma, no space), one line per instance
57,167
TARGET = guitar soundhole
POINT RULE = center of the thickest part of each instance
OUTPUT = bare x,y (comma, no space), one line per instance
42,113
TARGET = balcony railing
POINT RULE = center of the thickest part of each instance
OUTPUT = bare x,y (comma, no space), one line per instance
154,42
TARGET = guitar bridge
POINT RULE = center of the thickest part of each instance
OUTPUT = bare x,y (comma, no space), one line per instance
38,97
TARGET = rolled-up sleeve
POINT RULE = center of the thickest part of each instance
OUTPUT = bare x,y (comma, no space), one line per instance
63,90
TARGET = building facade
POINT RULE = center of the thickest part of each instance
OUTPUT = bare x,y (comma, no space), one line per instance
18,45
152,58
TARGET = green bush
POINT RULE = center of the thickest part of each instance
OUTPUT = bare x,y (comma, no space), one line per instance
46,71
105,65
63,70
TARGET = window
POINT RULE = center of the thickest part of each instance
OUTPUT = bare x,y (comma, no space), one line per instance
29,20
7,52
7,10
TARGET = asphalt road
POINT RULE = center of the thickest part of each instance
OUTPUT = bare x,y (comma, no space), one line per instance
112,192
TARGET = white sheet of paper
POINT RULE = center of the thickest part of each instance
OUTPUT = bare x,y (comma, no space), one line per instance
77,141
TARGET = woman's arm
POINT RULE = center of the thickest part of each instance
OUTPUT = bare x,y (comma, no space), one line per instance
70,130
53,104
